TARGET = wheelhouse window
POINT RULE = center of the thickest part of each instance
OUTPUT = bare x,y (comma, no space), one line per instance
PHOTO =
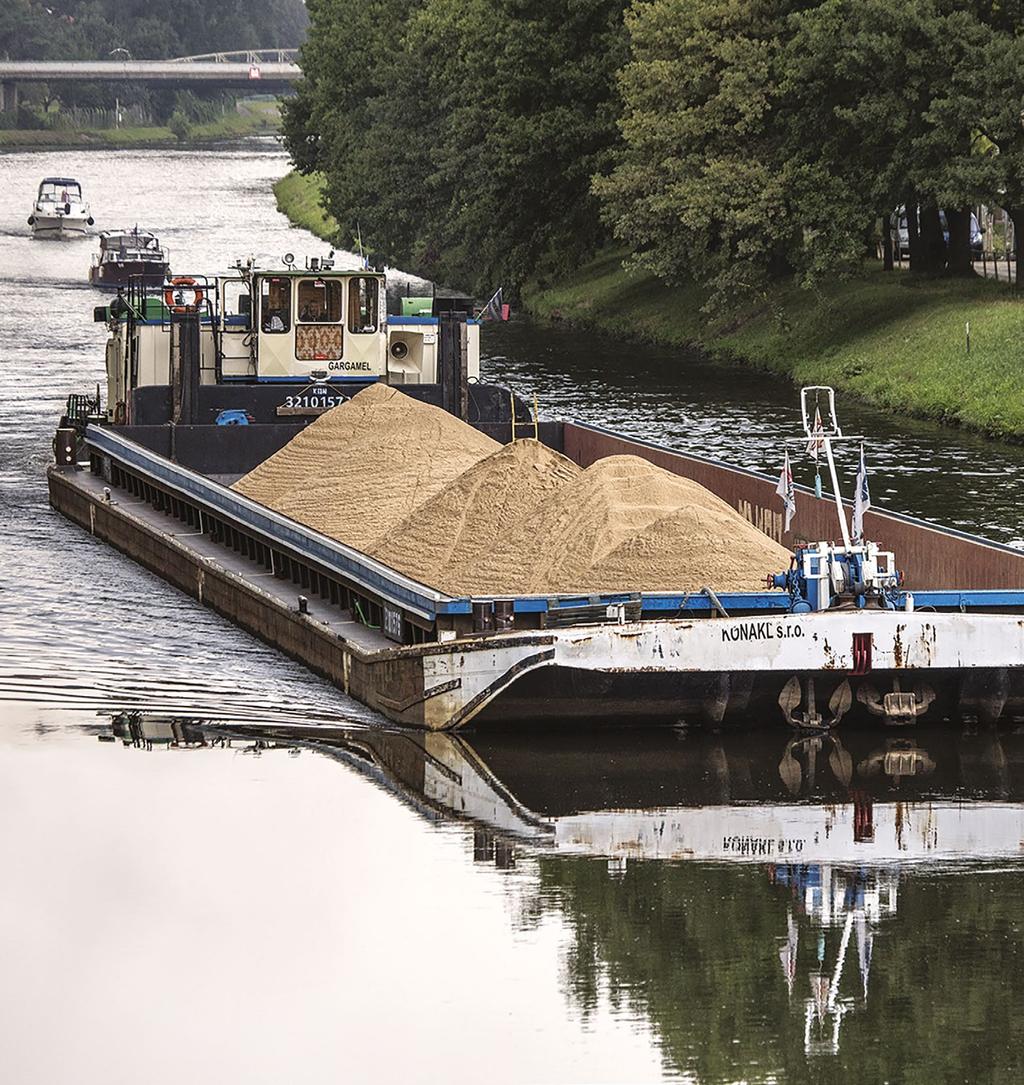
363,295
319,301
275,304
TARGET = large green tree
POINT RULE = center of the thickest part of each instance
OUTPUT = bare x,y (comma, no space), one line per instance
461,134
766,138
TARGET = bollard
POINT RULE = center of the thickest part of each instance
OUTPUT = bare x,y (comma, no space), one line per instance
65,446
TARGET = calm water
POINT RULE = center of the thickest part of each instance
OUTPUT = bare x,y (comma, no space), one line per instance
260,900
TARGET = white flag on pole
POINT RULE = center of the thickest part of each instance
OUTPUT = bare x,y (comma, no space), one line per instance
816,444
861,499
787,492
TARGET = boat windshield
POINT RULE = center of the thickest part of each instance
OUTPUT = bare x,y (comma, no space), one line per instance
131,246
60,192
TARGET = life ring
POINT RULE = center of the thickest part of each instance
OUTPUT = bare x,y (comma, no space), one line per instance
174,295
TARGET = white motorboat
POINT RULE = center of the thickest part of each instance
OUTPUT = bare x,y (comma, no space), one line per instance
60,211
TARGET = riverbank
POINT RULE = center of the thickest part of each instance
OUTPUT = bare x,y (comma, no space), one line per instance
298,199
898,343
250,119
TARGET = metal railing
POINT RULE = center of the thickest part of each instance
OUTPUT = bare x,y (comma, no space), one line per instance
242,56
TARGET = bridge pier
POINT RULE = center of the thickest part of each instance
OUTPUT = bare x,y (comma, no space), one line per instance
8,97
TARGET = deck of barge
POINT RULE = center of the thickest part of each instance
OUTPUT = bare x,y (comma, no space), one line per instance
339,622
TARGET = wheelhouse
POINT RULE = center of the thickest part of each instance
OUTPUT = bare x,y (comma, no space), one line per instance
315,325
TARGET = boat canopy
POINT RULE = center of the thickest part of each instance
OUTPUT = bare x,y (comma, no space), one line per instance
129,239
67,188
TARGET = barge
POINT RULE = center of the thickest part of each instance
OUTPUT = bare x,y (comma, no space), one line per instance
209,377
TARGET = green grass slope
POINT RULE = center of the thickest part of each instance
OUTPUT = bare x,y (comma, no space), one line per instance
251,118
897,342
299,198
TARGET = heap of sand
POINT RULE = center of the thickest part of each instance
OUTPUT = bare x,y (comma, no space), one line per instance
432,497
456,540
624,524
362,467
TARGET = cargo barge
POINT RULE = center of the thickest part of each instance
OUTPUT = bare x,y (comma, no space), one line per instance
209,377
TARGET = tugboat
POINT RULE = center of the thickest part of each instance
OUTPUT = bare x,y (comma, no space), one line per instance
60,212
128,254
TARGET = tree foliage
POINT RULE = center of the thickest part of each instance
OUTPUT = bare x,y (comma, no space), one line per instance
729,142
770,137
459,136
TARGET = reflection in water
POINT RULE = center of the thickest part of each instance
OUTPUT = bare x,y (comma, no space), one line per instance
835,904
766,944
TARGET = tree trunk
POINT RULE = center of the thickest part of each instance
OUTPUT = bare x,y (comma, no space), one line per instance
887,262
958,256
932,246
1017,217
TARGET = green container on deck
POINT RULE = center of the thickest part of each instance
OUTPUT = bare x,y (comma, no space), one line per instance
417,306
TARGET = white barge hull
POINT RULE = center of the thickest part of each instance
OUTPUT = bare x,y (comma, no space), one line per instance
717,667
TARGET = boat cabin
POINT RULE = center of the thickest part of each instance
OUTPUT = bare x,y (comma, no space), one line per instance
130,246
58,191
291,326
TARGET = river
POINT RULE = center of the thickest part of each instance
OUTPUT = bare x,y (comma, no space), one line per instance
258,901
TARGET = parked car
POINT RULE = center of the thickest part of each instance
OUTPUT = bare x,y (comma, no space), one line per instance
903,234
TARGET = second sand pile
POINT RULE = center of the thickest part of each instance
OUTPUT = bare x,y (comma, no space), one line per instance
456,541
437,500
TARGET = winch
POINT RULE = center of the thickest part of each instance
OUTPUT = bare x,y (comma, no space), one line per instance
825,575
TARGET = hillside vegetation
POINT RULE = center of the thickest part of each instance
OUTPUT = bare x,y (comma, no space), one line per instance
898,342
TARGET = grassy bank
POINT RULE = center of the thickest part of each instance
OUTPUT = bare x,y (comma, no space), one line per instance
251,118
298,198
896,342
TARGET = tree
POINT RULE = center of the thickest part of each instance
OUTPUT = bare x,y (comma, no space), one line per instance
461,136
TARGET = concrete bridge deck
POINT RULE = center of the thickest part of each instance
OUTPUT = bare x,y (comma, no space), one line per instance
215,70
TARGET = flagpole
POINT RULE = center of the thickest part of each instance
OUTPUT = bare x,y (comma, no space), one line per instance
835,492
488,305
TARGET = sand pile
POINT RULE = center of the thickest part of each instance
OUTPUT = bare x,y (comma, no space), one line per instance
624,524
361,468
434,498
458,540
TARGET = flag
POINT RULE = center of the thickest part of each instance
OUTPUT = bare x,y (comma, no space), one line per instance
861,499
495,309
817,442
786,491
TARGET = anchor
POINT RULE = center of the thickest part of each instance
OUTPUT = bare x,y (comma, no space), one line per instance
898,707
809,718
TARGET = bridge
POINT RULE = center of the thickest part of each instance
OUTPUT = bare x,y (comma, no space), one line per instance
265,69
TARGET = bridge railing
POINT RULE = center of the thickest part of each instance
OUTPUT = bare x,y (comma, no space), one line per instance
243,56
